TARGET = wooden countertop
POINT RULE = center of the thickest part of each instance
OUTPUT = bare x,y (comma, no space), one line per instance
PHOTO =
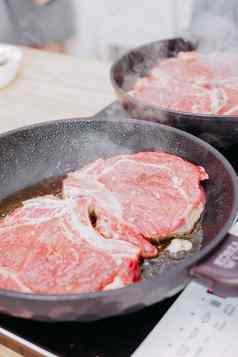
54,86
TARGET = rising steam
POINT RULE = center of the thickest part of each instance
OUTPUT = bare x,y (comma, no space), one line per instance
214,27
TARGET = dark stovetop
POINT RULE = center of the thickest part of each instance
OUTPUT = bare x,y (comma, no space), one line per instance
117,337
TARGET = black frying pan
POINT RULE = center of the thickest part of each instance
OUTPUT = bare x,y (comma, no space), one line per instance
34,153
220,131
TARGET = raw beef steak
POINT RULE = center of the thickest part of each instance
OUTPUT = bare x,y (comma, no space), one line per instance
49,246
139,197
192,82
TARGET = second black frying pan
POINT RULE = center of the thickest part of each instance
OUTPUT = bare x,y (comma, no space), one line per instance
31,154
220,131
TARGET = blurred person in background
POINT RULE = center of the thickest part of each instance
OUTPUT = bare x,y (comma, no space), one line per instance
43,24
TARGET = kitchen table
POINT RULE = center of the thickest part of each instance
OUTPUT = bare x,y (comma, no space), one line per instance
53,86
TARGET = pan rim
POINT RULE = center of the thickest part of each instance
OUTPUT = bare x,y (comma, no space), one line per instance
185,265
200,116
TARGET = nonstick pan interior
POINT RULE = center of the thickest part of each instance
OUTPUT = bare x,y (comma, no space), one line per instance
32,154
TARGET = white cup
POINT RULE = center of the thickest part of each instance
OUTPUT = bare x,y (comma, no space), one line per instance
10,61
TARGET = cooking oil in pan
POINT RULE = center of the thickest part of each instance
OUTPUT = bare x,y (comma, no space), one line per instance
165,260
50,186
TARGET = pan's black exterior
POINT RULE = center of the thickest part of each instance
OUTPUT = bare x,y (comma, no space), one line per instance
220,131
30,154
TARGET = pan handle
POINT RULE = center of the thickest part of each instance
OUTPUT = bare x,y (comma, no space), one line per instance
219,272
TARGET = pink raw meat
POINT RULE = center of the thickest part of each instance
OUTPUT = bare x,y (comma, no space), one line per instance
188,66
149,195
171,95
193,83
230,89
47,248
108,210
233,111
181,84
